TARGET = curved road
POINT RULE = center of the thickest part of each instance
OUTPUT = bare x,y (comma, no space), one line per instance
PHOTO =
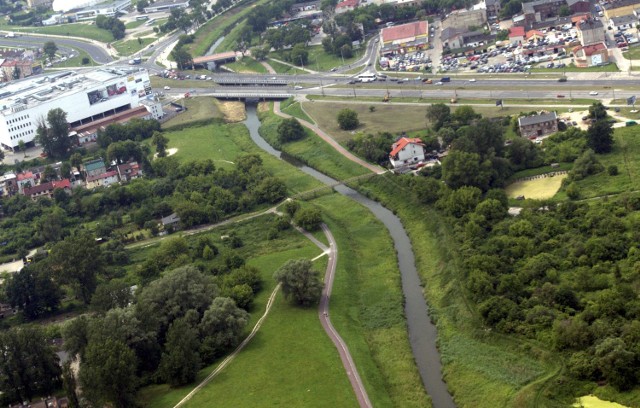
96,52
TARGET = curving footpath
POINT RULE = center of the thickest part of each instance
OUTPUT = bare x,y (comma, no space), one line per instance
324,136
323,313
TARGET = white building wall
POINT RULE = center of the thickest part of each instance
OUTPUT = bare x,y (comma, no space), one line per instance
411,153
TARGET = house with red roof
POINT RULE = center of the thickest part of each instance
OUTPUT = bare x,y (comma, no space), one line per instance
590,55
129,171
104,179
516,34
346,5
404,38
407,151
46,189
25,179
534,35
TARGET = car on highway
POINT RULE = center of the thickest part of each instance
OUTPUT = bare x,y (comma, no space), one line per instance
297,87
439,83
472,80
167,88
560,96
593,93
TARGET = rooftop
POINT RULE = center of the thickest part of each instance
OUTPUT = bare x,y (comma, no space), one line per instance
347,3
620,3
590,24
402,143
108,174
41,188
627,19
535,119
516,31
590,49
404,31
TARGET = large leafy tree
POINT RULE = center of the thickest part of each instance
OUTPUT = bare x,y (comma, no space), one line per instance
181,360
300,282
50,48
221,326
54,134
108,374
182,57
600,136
33,291
348,119
77,261
28,365
438,114
290,130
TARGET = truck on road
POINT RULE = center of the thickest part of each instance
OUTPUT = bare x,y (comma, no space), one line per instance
445,79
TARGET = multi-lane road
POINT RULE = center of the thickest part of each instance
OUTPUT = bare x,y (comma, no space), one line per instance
98,53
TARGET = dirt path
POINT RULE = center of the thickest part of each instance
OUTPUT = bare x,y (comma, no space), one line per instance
332,142
233,355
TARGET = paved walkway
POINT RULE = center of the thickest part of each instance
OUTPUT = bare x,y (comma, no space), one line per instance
324,136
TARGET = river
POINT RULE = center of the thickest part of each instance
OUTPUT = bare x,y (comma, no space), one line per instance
422,332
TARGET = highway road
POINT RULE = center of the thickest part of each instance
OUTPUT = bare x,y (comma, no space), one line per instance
96,52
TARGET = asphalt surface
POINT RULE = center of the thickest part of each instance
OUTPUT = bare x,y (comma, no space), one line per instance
96,52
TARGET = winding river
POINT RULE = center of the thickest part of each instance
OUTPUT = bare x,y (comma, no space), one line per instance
422,332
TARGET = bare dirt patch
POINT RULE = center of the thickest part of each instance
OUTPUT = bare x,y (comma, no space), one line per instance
233,111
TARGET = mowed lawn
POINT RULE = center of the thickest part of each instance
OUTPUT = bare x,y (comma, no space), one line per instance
214,141
200,108
537,189
88,31
385,118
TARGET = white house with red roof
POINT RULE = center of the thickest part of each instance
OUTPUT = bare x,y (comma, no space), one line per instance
346,5
406,151
25,179
516,34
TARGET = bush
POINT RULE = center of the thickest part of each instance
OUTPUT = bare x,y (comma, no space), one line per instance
573,191
348,119
85,60
290,130
612,170
308,218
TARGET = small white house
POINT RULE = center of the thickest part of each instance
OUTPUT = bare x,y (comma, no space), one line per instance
407,151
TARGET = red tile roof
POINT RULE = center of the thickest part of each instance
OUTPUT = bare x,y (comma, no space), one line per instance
49,186
531,33
347,3
400,144
404,31
25,176
516,32
590,49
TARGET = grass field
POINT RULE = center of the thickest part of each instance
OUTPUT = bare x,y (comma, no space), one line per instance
77,60
131,47
247,64
134,24
318,59
285,69
198,109
295,109
83,30
537,189
572,68
311,150
386,118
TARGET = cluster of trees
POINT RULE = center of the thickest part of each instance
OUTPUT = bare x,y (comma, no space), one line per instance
53,135
112,24
180,54
177,323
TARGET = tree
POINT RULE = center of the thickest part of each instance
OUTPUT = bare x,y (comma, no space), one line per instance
564,11
76,160
299,281
77,261
438,114
111,295
597,111
69,385
108,373
617,363
50,48
348,119
160,141
259,53
290,130
299,54
28,365
182,57
466,169
33,291
16,74
181,360
308,218
49,174
600,136
54,138
464,115
141,4
221,326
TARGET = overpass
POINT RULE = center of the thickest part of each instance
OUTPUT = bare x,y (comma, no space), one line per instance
249,95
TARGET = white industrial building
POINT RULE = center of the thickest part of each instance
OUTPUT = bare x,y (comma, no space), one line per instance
85,96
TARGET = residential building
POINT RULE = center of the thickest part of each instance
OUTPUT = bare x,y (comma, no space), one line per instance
153,106
542,124
620,8
39,3
346,5
102,180
93,168
516,34
624,22
8,184
129,171
170,222
85,97
24,180
404,38
579,6
166,5
592,55
407,151
46,189
467,19
11,68
493,8
534,35
590,31
89,132
455,39
308,6
541,10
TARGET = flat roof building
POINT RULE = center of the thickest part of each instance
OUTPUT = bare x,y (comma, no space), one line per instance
166,5
404,38
85,97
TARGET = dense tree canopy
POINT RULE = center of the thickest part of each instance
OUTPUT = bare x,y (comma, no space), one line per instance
300,282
